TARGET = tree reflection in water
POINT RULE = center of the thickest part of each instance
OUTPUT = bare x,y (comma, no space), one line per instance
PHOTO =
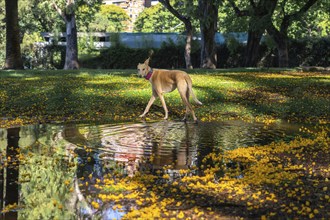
9,174
61,164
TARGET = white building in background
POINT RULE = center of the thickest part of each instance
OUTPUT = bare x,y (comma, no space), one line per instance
133,8
103,40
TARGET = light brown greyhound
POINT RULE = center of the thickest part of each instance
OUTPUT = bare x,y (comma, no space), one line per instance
164,81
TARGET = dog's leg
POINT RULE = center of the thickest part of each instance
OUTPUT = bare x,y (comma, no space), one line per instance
184,93
187,108
164,105
186,114
151,101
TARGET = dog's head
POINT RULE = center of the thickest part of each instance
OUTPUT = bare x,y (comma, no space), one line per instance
143,68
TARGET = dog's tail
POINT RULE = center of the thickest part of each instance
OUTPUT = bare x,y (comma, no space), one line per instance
151,52
189,82
146,62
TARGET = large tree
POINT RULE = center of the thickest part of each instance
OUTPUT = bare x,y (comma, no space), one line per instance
289,11
68,15
67,10
208,16
2,32
13,49
257,11
275,17
186,19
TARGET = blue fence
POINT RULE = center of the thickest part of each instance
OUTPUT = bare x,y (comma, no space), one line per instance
139,40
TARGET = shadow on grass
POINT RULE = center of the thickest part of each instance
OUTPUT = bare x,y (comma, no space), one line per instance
282,96
65,94
120,95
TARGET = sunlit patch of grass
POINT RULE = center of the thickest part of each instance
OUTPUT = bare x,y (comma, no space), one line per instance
119,95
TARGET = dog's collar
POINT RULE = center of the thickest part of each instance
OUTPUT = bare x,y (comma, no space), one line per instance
148,76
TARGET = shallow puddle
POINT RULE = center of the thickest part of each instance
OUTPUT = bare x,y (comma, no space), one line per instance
50,171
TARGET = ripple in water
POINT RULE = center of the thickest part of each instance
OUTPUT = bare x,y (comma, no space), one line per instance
173,143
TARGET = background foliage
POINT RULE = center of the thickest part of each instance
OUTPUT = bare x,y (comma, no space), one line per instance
306,51
157,19
2,31
110,18
37,16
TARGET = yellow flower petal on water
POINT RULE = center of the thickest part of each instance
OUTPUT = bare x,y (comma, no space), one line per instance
95,205
181,215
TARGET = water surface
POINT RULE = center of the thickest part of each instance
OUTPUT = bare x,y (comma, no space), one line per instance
49,170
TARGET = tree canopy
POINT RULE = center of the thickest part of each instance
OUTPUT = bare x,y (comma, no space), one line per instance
37,16
110,18
157,19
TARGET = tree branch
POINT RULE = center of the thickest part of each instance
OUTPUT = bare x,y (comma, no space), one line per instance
59,10
238,12
297,15
282,7
252,3
168,5
305,8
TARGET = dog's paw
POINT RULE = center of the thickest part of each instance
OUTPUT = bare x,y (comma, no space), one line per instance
142,116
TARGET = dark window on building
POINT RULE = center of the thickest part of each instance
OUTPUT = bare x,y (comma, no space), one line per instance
101,39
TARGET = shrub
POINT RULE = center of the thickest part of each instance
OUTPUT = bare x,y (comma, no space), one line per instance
121,57
311,51
169,56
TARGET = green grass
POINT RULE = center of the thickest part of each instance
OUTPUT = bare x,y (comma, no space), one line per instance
41,96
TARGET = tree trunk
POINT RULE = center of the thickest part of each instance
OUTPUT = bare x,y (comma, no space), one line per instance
12,174
281,41
187,51
208,25
252,48
282,49
260,12
71,56
13,49
189,29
